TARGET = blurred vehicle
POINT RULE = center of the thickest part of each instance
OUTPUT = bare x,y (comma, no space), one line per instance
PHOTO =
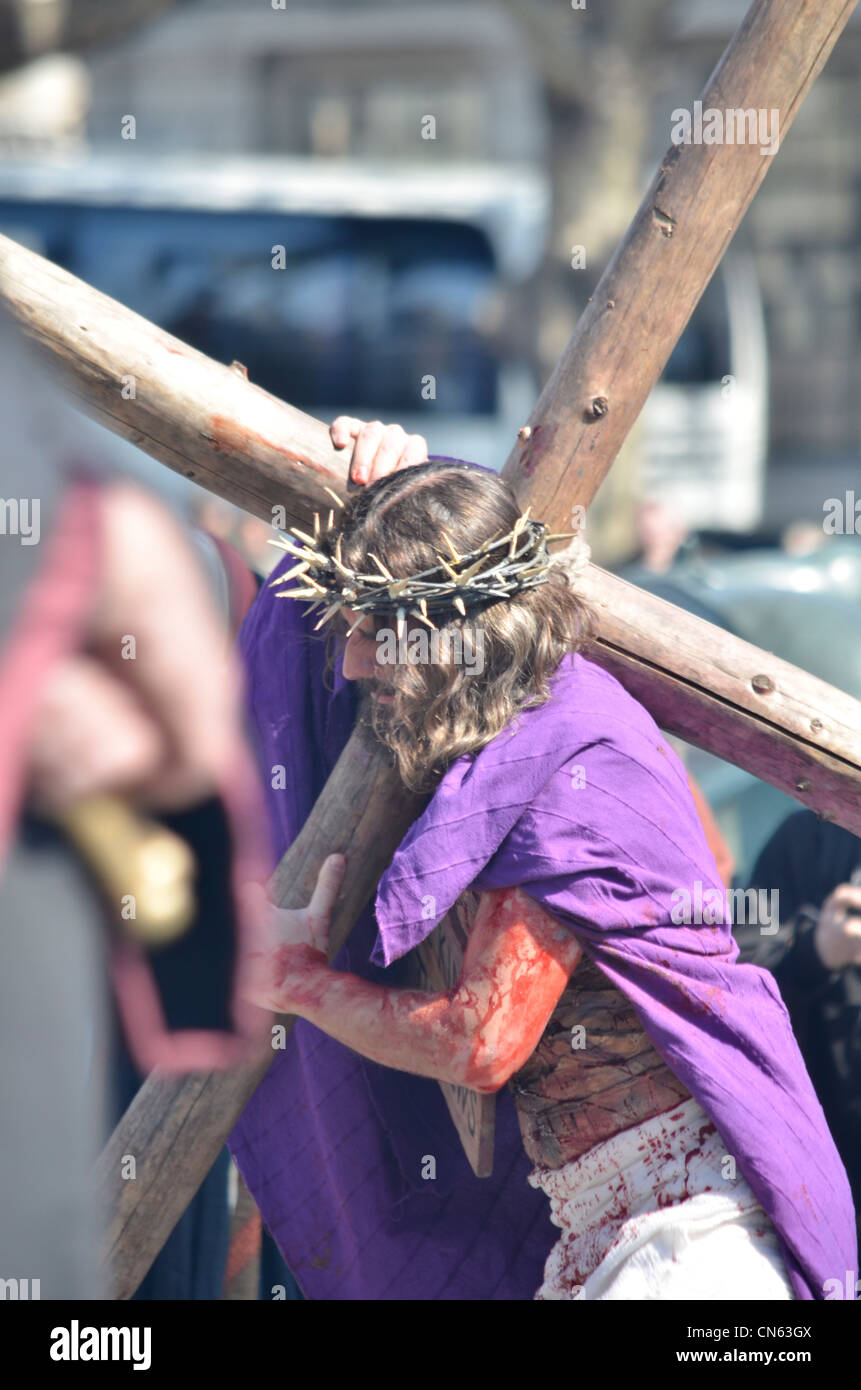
343,287
704,428
804,609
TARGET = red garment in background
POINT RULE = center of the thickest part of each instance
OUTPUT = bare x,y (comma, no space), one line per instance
716,842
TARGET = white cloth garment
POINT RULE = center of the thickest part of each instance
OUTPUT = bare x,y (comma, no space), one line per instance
658,1212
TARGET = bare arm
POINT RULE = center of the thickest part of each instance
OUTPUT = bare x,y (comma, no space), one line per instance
516,966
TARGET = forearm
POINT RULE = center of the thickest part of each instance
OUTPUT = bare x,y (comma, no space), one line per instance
427,1034
516,966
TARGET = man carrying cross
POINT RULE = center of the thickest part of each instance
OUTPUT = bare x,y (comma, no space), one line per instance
659,1091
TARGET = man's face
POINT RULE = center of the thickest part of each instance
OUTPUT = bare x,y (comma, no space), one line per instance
360,657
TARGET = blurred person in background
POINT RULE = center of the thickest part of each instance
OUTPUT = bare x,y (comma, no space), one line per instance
89,562
661,535
816,959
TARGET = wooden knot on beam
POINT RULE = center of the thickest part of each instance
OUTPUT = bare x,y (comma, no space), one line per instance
597,408
664,221
803,785
763,685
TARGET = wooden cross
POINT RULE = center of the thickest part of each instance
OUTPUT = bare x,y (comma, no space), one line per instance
712,689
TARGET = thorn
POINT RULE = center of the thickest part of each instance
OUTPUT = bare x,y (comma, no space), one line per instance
359,620
337,562
300,551
331,521
474,568
517,528
316,526
381,567
459,604
334,496
303,536
561,536
291,574
454,555
414,613
488,544
444,564
301,593
333,608
401,625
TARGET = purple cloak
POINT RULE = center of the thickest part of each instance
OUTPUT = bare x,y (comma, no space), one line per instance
331,1146
584,805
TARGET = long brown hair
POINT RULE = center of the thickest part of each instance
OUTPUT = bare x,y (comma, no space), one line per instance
441,709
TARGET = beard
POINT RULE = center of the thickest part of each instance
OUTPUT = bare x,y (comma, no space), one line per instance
376,714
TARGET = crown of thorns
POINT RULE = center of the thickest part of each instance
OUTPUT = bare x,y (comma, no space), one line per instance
502,566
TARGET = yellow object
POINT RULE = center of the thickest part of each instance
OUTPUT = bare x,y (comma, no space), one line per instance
145,871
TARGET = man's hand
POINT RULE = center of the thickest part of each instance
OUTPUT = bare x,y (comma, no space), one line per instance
837,935
378,449
292,937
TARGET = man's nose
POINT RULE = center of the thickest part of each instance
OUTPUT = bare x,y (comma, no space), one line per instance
360,658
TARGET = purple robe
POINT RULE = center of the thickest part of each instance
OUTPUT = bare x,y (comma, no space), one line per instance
583,804
331,1146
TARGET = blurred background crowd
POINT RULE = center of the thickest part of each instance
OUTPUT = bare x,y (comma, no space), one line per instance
448,182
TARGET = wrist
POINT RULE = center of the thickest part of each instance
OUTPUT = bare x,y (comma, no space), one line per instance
276,979
299,973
